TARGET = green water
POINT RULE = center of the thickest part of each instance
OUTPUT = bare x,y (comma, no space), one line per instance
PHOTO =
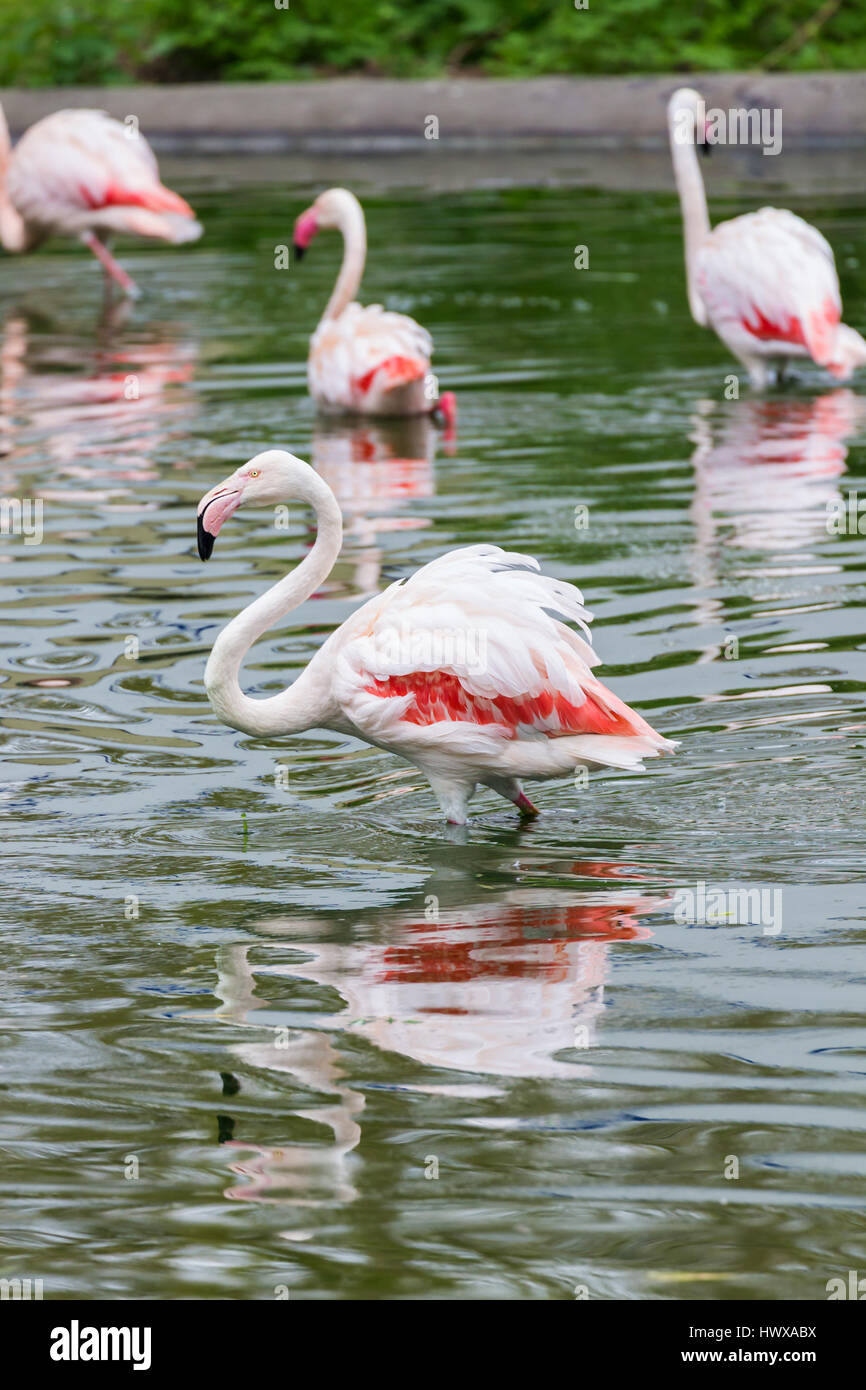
268,1024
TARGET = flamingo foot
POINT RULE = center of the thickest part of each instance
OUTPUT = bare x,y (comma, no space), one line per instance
111,267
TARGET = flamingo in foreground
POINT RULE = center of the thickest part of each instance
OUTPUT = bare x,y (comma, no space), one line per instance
364,360
765,282
80,173
467,669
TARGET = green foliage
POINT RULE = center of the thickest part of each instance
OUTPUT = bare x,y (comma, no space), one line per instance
112,41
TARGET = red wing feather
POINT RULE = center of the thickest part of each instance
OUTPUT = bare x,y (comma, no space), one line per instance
439,697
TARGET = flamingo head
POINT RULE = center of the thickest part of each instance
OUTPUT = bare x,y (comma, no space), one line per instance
306,227
331,209
849,352
687,118
267,479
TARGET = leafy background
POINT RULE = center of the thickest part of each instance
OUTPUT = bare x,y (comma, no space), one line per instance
115,41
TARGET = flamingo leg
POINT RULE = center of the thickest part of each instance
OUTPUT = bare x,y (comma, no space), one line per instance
453,797
510,788
111,267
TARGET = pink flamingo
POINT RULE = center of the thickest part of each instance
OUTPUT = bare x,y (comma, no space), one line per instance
365,360
765,282
463,668
80,173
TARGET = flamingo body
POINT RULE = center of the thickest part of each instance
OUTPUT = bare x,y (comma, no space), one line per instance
364,360
766,282
411,675
468,669
80,173
769,283
369,361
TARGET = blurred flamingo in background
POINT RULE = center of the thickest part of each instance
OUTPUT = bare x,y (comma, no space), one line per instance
82,174
365,360
465,668
765,282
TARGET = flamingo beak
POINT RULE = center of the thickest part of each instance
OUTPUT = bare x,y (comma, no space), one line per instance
706,147
214,509
306,227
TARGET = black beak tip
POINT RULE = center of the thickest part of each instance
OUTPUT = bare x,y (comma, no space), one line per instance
205,541
298,250
705,149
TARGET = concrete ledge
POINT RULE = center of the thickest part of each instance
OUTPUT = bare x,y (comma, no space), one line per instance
818,109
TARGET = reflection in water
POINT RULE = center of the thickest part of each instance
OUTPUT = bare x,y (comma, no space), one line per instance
499,988
766,472
766,469
104,422
375,468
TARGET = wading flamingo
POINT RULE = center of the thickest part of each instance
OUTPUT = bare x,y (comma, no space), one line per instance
364,361
463,668
82,174
765,282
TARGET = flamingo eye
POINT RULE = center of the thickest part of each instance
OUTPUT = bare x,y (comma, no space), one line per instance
254,472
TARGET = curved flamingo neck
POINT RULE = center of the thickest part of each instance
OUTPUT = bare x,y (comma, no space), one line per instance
304,703
693,205
349,220
13,232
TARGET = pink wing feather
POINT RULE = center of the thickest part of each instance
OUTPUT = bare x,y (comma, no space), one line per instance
475,647
77,162
366,346
768,281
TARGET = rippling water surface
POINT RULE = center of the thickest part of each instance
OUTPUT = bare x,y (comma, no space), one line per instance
269,1025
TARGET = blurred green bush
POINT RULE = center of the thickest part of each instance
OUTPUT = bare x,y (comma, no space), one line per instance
116,41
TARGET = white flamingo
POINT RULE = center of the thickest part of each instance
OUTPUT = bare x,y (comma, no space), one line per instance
765,282
463,668
364,360
79,173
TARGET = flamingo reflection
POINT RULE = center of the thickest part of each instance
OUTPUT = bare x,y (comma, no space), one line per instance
766,469
98,413
376,468
490,991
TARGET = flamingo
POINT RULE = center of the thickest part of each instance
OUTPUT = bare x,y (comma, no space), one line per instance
765,282
364,360
466,669
79,173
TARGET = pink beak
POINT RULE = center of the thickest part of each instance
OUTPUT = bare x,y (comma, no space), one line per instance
214,509
305,229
